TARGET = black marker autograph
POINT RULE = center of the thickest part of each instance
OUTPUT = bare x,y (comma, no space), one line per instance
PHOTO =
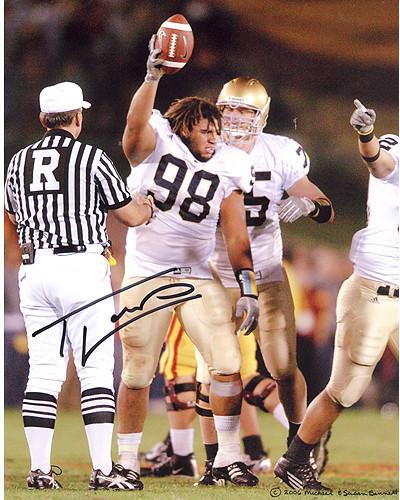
180,296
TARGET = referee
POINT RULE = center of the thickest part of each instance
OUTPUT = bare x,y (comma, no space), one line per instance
58,192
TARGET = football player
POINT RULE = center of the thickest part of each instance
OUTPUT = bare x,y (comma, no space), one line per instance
367,305
195,180
280,165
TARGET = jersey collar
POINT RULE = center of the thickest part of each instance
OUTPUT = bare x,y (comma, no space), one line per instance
58,131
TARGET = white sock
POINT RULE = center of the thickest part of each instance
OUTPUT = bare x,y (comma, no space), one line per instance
39,442
99,438
128,450
182,441
280,415
227,428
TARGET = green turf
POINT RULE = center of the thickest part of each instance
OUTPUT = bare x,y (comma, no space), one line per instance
363,459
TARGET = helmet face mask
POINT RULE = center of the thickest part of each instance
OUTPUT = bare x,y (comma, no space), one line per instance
243,94
240,125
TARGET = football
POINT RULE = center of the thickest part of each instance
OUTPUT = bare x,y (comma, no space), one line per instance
175,39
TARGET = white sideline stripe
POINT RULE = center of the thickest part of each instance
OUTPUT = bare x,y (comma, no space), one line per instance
176,26
36,401
171,64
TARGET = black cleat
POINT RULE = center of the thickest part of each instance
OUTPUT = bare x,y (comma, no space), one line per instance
39,480
320,452
177,465
118,479
237,473
208,479
299,476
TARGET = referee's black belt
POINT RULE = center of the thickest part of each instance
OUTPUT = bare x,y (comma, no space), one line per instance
388,290
29,254
70,249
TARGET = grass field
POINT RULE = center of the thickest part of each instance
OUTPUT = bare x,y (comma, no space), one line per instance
363,461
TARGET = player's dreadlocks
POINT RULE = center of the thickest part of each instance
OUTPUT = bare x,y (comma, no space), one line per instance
184,113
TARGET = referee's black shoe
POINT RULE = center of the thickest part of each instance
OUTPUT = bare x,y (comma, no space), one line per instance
299,476
118,479
39,480
237,473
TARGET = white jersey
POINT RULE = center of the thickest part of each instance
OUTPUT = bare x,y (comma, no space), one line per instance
188,194
375,249
278,163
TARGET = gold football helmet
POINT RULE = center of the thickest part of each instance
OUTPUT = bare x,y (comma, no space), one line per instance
248,93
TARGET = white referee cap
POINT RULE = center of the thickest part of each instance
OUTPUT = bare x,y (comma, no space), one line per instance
61,97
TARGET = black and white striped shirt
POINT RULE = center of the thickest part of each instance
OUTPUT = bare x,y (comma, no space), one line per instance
60,189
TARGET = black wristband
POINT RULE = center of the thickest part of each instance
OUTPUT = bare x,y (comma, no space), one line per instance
366,138
371,159
323,210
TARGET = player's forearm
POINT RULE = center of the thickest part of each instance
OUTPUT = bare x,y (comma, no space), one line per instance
239,253
138,140
378,161
141,106
234,230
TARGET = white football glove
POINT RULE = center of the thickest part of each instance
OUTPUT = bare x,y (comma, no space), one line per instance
248,307
362,119
154,71
293,208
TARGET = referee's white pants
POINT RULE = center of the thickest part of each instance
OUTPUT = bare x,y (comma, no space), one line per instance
52,287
